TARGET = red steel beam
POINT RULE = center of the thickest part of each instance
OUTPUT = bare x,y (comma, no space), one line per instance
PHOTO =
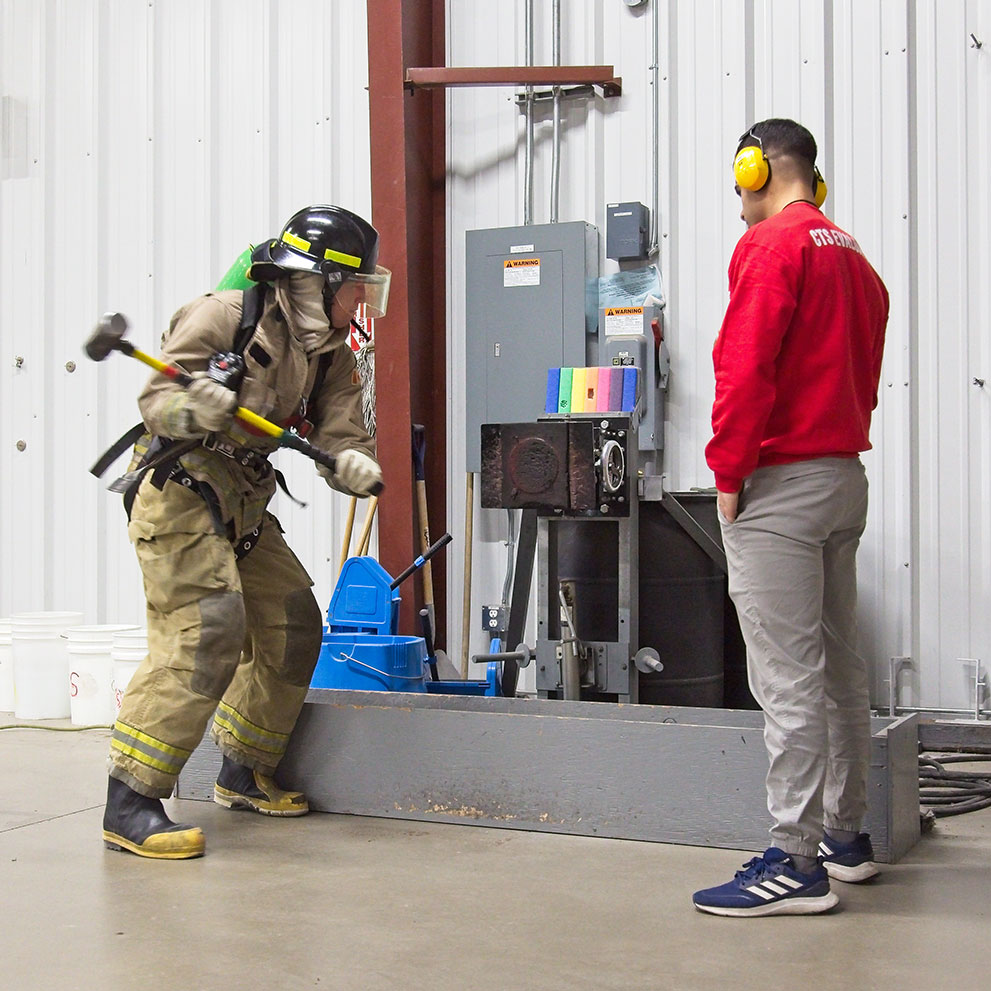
408,209
512,75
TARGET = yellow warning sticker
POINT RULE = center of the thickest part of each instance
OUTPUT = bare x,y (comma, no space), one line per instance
521,272
623,320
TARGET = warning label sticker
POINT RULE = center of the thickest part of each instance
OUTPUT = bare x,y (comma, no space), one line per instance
521,272
624,320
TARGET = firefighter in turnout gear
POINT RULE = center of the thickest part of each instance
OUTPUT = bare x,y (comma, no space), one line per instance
234,630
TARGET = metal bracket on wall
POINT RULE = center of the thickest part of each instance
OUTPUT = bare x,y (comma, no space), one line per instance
519,75
895,664
980,685
547,95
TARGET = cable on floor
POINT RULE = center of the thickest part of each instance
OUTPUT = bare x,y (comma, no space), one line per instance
949,792
53,729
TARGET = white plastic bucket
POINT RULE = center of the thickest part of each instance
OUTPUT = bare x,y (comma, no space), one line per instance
6,667
41,663
129,649
91,693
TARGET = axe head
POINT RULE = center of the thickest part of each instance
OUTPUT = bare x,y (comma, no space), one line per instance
107,336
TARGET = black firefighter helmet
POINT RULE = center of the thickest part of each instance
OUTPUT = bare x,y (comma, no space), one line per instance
330,241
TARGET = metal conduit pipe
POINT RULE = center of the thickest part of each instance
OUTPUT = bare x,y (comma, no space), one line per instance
655,128
977,710
528,110
556,154
507,585
902,710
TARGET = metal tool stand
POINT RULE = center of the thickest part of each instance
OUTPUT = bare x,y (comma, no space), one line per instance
608,667
580,470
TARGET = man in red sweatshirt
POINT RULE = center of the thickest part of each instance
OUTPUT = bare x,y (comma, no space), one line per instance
797,364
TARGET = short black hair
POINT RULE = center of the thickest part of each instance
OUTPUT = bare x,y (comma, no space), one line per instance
781,136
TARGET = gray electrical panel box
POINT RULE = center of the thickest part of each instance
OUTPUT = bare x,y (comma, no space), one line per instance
532,299
634,335
627,230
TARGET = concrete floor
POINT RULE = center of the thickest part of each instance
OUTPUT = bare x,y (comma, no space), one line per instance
346,902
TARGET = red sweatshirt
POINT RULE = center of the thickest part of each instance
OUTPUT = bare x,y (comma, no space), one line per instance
798,356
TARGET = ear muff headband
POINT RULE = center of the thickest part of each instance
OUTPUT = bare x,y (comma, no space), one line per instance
750,168
820,187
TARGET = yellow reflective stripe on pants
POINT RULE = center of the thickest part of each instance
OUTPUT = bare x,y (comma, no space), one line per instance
248,733
147,750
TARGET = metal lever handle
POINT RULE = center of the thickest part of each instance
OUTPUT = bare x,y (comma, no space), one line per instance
429,641
522,655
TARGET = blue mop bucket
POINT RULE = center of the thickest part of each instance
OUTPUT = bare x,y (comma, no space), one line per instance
369,662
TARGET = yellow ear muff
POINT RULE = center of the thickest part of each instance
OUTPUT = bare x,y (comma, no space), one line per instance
751,169
820,188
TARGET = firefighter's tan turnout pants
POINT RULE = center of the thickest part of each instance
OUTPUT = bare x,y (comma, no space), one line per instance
233,639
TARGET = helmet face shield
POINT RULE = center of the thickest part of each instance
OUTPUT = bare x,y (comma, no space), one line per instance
371,289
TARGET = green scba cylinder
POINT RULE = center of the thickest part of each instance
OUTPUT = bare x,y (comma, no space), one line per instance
236,276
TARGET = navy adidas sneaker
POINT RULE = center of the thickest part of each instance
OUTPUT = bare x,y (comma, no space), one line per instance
850,862
769,885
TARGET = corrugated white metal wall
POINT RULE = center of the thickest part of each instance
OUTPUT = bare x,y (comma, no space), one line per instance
897,93
144,144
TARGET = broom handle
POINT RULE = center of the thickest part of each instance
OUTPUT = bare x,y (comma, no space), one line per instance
428,576
366,530
466,602
348,529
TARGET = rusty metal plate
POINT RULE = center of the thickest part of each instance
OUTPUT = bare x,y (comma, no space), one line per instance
525,466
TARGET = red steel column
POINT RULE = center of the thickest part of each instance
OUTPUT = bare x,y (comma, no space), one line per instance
408,209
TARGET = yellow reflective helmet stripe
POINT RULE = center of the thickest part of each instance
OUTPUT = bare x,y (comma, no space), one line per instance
296,242
352,261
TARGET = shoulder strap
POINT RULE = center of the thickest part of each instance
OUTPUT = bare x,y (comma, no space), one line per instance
323,366
252,304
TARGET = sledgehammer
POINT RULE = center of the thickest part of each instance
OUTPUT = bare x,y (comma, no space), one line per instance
109,336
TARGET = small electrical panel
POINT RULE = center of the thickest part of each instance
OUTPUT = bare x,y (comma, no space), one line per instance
627,231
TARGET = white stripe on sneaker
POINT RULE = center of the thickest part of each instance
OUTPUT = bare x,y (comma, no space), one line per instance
790,881
777,889
757,889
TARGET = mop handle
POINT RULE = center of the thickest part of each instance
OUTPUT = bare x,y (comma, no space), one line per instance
422,559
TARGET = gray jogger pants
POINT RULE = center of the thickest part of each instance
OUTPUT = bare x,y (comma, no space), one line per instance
792,576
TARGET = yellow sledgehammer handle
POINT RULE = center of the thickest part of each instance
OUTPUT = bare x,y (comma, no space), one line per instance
185,380
285,437
109,336
259,422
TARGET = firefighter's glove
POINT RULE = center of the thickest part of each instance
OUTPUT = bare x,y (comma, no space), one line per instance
209,404
357,473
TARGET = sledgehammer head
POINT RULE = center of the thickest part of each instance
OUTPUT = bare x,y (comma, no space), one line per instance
107,337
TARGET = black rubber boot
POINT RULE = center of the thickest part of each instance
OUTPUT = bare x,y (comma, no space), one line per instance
240,787
139,824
